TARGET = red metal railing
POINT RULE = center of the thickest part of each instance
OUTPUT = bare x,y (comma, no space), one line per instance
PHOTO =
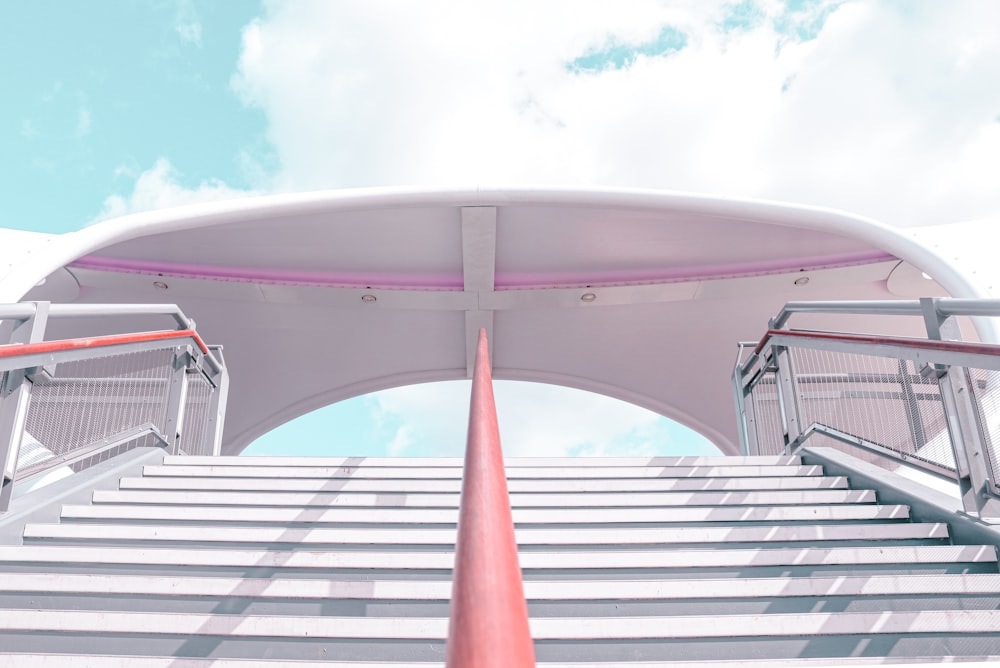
22,349
969,347
488,627
932,403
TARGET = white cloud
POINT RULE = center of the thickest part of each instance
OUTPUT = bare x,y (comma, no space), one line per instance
82,122
536,420
400,443
158,188
187,25
885,112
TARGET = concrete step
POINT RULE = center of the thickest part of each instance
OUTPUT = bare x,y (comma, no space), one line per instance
626,561
950,558
577,628
600,638
522,500
873,586
445,473
458,462
522,516
397,486
290,597
244,605
35,660
591,538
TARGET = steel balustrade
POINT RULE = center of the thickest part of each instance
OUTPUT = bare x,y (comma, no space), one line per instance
72,403
488,625
933,403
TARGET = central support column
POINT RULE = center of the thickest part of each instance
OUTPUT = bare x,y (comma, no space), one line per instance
488,627
479,248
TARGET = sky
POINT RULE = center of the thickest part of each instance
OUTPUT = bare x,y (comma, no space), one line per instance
889,109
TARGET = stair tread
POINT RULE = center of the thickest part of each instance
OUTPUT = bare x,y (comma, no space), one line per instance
402,485
444,473
547,628
451,500
459,462
132,661
525,536
833,512
399,559
556,590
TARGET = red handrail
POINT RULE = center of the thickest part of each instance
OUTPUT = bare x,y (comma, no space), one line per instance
16,349
488,627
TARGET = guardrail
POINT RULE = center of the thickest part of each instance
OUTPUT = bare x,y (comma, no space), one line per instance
488,623
69,404
931,404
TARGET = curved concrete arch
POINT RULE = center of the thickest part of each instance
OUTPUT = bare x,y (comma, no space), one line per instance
272,278
74,245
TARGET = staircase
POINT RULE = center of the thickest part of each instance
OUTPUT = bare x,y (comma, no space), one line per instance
224,560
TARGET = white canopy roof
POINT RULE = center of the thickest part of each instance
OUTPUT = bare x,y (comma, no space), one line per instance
638,295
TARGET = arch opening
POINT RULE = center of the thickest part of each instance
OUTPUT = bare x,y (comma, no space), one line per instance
430,419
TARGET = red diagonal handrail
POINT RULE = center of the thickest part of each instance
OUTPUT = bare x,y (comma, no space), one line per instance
489,617
42,347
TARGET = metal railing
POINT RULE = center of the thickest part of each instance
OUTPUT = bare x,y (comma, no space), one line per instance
488,623
69,404
931,404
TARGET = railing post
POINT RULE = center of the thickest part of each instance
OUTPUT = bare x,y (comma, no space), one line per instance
488,624
15,393
744,410
788,395
975,480
176,400
217,402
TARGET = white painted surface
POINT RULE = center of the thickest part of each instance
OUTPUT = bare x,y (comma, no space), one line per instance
604,538
66,661
457,462
429,473
546,628
521,515
629,343
402,560
535,590
547,485
552,499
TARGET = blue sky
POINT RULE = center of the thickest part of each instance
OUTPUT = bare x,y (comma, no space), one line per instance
97,92
881,108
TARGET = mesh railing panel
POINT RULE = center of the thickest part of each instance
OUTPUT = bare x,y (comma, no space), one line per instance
884,401
767,416
986,394
196,438
85,402
146,440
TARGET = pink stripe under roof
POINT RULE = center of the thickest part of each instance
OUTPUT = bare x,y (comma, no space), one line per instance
329,279
702,272
503,281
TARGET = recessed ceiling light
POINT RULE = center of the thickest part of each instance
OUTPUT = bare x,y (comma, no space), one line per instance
368,299
159,285
588,297
802,280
